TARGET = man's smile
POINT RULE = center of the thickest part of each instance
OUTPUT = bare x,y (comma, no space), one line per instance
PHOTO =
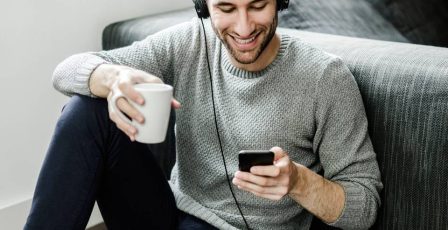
245,44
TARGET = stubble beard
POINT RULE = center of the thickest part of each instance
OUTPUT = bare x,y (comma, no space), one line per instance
238,56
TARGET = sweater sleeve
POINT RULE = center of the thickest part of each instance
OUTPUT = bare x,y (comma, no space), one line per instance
72,75
158,54
344,147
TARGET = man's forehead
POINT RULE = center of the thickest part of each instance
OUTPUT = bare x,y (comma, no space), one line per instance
234,2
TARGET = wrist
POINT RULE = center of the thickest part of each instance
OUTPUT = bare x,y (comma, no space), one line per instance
102,79
298,185
307,182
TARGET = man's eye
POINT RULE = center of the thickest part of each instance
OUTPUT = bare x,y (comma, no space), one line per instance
258,7
226,9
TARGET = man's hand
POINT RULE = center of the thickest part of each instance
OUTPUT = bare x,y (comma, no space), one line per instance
109,80
271,182
323,198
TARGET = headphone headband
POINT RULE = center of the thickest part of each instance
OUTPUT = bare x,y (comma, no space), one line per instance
202,10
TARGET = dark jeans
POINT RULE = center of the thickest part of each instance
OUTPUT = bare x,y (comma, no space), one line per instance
89,159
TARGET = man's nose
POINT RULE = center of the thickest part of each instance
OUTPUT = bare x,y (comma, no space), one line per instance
244,25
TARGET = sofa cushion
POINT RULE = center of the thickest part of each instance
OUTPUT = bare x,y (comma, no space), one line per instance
355,18
420,21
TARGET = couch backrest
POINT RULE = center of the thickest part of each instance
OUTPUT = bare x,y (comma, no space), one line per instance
353,18
405,92
420,21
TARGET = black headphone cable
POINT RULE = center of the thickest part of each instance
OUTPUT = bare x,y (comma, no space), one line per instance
217,130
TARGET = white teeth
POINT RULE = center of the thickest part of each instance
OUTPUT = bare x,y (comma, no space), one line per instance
244,41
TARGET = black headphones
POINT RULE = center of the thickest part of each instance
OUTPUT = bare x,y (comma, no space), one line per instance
202,10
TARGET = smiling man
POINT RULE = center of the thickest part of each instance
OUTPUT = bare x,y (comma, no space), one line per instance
270,90
252,42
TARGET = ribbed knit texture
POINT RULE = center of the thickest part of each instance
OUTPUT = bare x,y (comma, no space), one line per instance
306,102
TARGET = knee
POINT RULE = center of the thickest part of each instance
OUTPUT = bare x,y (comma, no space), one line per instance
84,105
82,111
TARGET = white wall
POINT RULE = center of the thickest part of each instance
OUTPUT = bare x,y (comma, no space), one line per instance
34,37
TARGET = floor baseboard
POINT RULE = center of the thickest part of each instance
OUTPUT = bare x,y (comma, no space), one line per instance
14,216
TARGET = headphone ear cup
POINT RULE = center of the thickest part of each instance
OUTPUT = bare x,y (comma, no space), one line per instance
201,8
282,4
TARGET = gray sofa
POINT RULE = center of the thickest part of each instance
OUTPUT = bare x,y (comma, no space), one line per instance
404,87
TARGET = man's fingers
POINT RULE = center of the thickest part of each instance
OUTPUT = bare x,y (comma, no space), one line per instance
124,87
126,131
175,104
255,188
270,170
128,90
123,126
117,119
278,152
128,109
254,179
245,185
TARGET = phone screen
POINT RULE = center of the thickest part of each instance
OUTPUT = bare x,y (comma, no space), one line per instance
249,158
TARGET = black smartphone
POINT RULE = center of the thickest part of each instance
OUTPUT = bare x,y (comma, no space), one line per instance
249,158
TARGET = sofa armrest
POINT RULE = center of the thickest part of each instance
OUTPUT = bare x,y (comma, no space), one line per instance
124,33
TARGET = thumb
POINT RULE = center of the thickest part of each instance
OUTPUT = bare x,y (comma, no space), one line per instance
175,104
278,153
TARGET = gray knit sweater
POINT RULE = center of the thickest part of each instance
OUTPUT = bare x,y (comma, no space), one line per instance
306,102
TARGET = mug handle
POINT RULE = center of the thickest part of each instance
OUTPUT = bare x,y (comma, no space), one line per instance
115,109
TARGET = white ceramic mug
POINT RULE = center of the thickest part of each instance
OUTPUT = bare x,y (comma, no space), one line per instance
155,110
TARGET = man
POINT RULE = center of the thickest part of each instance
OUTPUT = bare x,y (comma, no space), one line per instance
271,90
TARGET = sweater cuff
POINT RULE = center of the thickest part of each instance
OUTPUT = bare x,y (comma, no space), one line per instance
83,74
353,207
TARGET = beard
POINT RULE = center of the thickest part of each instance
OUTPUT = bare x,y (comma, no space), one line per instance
252,55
